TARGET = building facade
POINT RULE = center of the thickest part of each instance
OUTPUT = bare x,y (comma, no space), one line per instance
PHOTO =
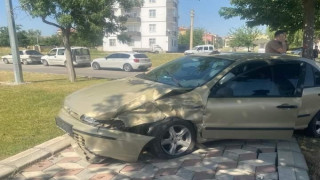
156,23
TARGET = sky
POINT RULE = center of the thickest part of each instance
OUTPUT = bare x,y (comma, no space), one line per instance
206,17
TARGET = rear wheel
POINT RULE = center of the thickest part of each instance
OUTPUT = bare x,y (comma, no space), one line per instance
25,62
173,139
6,61
127,67
95,66
45,63
314,126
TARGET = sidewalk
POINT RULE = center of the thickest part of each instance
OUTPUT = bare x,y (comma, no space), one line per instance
224,159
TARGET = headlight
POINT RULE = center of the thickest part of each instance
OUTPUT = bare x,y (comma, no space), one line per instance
117,125
89,120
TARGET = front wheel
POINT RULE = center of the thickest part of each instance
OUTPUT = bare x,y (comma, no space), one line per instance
314,126
127,67
95,66
6,61
45,63
173,139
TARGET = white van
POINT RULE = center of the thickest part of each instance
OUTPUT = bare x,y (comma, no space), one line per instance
200,49
56,56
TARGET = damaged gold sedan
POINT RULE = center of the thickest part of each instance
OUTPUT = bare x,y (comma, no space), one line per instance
192,100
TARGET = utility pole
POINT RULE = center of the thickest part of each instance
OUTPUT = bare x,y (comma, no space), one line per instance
13,43
191,29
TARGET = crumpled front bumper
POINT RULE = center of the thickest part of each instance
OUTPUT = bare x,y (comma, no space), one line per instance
102,141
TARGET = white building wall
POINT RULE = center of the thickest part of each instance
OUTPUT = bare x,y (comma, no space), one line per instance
166,34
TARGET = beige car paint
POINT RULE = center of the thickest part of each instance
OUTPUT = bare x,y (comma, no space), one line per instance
136,102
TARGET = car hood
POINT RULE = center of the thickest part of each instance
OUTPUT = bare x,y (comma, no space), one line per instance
105,101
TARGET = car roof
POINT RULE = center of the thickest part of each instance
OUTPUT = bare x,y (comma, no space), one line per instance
259,56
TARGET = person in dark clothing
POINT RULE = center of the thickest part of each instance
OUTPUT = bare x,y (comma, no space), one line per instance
315,52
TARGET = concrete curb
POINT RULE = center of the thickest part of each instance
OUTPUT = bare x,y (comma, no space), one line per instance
17,162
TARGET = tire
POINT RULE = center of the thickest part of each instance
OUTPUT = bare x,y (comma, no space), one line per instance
313,128
127,67
173,139
25,62
6,61
45,62
95,66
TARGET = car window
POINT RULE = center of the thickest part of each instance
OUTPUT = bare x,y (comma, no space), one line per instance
20,52
309,80
200,48
316,77
32,52
125,56
140,56
279,80
61,51
188,71
206,48
53,52
210,48
112,56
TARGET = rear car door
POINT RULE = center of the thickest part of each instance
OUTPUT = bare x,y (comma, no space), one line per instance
254,100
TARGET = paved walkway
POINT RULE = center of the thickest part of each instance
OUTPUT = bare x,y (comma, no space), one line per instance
225,160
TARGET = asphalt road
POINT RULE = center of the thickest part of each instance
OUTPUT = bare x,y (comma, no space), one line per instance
80,71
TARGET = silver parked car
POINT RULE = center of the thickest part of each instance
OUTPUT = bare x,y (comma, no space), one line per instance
26,57
126,61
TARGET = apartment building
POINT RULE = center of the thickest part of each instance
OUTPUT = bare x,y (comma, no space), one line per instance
156,23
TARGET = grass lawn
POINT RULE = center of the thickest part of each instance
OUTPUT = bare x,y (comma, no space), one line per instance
27,111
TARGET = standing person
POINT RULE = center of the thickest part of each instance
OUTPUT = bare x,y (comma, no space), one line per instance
278,44
315,52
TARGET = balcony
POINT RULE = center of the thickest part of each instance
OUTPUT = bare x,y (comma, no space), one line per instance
133,33
134,20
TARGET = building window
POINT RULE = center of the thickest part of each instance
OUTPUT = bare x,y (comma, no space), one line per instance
152,13
152,41
152,1
112,42
152,28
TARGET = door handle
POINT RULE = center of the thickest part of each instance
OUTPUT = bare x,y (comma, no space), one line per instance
287,106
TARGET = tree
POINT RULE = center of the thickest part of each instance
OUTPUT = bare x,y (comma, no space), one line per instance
197,38
291,15
218,42
244,37
95,16
22,36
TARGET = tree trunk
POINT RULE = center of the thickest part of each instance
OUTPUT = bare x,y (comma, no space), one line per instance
69,63
308,29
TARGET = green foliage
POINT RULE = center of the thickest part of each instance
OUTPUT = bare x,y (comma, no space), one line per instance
23,37
53,40
277,14
244,37
184,40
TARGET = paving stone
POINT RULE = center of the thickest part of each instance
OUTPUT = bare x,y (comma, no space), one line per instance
166,172
104,176
66,178
291,159
69,160
133,167
227,165
147,171
191,162
203,175
187,157
257,166
267,176
173,177
70,154
259,148
234,174
240,154
268,157
39,166
287,145
198,168
68,172
219,163
6,170
69,165
35,174
168,164
52,170
121,177
185,174
291,173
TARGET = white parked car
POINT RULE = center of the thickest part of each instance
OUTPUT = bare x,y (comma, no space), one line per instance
26,57
56,56
125,61
200,49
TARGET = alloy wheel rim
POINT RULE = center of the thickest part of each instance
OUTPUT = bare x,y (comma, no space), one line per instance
176,140
126,68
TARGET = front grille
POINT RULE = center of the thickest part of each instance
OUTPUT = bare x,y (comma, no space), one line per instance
80,140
